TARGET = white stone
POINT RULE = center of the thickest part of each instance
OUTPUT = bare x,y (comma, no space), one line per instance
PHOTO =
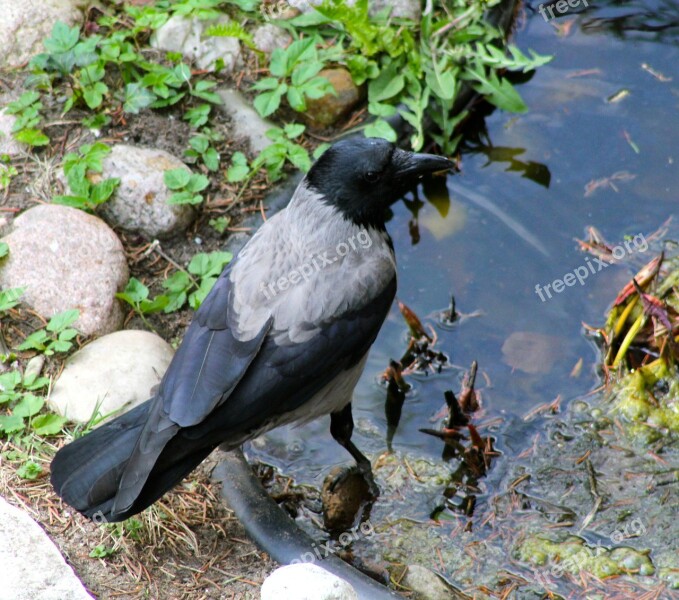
65,259
427,584
112,375
245,121
139,204
184,35
268,37
31,567
25,23
306,581
8,145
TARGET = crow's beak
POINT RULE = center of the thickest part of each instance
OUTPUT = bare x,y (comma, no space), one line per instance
411,165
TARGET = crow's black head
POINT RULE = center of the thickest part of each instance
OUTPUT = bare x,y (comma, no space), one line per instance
363,176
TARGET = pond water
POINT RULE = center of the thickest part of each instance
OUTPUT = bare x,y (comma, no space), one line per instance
598,147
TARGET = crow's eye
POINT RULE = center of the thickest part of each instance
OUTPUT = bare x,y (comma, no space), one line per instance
372,176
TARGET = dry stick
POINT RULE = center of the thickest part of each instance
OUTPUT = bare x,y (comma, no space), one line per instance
591,476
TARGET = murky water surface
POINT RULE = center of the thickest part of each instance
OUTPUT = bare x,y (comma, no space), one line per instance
599,147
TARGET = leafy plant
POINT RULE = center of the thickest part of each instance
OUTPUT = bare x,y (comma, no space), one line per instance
414,69
273,158
86,62
220,223
22,406
81,168
185,185
56,337
30,470
294,74
136,294
7,171
27,110
201,149
101,551
10,298
194,284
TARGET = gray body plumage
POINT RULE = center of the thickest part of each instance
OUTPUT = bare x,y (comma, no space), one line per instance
282,337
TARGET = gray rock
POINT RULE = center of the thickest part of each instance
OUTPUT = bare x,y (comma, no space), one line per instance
408,9
25,23
140,202
268,37
246,122
427,585
306,581
8,145
31,567
65,258
114,373
184,35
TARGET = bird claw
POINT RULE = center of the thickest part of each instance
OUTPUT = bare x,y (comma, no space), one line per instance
339,479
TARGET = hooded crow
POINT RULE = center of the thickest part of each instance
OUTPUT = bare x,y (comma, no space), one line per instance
282,337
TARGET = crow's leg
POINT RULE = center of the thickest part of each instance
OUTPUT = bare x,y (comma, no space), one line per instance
341,428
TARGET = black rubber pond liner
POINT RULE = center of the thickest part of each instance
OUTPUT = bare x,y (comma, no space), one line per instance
266,523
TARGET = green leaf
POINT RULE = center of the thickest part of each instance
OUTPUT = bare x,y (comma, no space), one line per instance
29,470
35,341
299,157
239,168
320,150
32,137
11,424
209,265
382,129
185,198
387,85
94,95
155,305
442,82
299,51
177,282
296,99
137,97
305,71
62,320
197,183
101,551
294,130
135,291
499,92
197,298
278,64
49,424
103,190
211,159
268,102
28,406
63,38
10,298
4,249
268,83
198,116
177,179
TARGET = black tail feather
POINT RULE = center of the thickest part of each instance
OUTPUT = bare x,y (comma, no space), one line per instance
86,473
